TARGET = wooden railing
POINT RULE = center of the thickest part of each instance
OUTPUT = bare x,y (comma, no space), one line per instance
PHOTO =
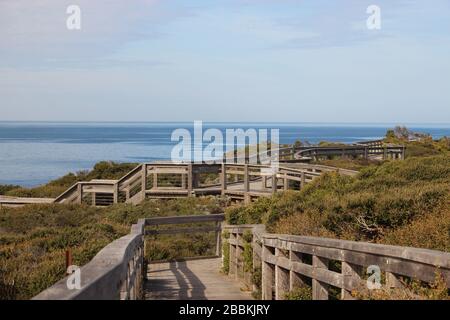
287,262
360,149
215,219
166,180
170,180
118,270
95,193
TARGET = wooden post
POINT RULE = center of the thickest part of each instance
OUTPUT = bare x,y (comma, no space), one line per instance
183,181
267,275
195,180
219,239
319,289
80,193
286,183
351,276
223,179
189,180
94,199
295,280
116,193
246,184
303,180
274,183
281,279
144,181
392,281
155,180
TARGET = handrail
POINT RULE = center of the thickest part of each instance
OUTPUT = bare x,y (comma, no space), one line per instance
69,190
130,174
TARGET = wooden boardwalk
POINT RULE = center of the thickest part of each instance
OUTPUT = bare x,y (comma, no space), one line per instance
191,280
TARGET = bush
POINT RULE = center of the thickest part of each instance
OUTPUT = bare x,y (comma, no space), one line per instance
301,293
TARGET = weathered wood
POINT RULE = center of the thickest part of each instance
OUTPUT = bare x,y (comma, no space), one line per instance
223,179
281,278
393,281
80,193
184,219
351,274
295,279
190,177
182,230
197,279
267,275
319,289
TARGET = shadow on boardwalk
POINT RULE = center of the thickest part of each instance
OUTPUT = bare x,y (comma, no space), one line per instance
191,280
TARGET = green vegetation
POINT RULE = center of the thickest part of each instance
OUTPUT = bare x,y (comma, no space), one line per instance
33,239
348,163
300,293
6,188
417,144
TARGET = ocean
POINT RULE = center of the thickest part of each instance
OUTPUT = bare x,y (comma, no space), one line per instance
32,153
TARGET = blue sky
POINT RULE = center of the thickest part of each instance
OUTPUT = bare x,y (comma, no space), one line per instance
225,60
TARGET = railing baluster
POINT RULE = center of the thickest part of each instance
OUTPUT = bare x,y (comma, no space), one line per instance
281,278
267,275
319,289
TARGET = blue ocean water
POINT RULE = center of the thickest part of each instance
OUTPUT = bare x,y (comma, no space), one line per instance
32,153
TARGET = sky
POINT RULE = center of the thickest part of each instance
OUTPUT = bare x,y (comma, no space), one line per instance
225,60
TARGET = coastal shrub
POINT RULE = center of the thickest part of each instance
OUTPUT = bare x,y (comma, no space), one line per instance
300,293
6,188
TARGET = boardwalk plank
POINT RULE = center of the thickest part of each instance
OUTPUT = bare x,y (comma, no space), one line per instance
191,280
